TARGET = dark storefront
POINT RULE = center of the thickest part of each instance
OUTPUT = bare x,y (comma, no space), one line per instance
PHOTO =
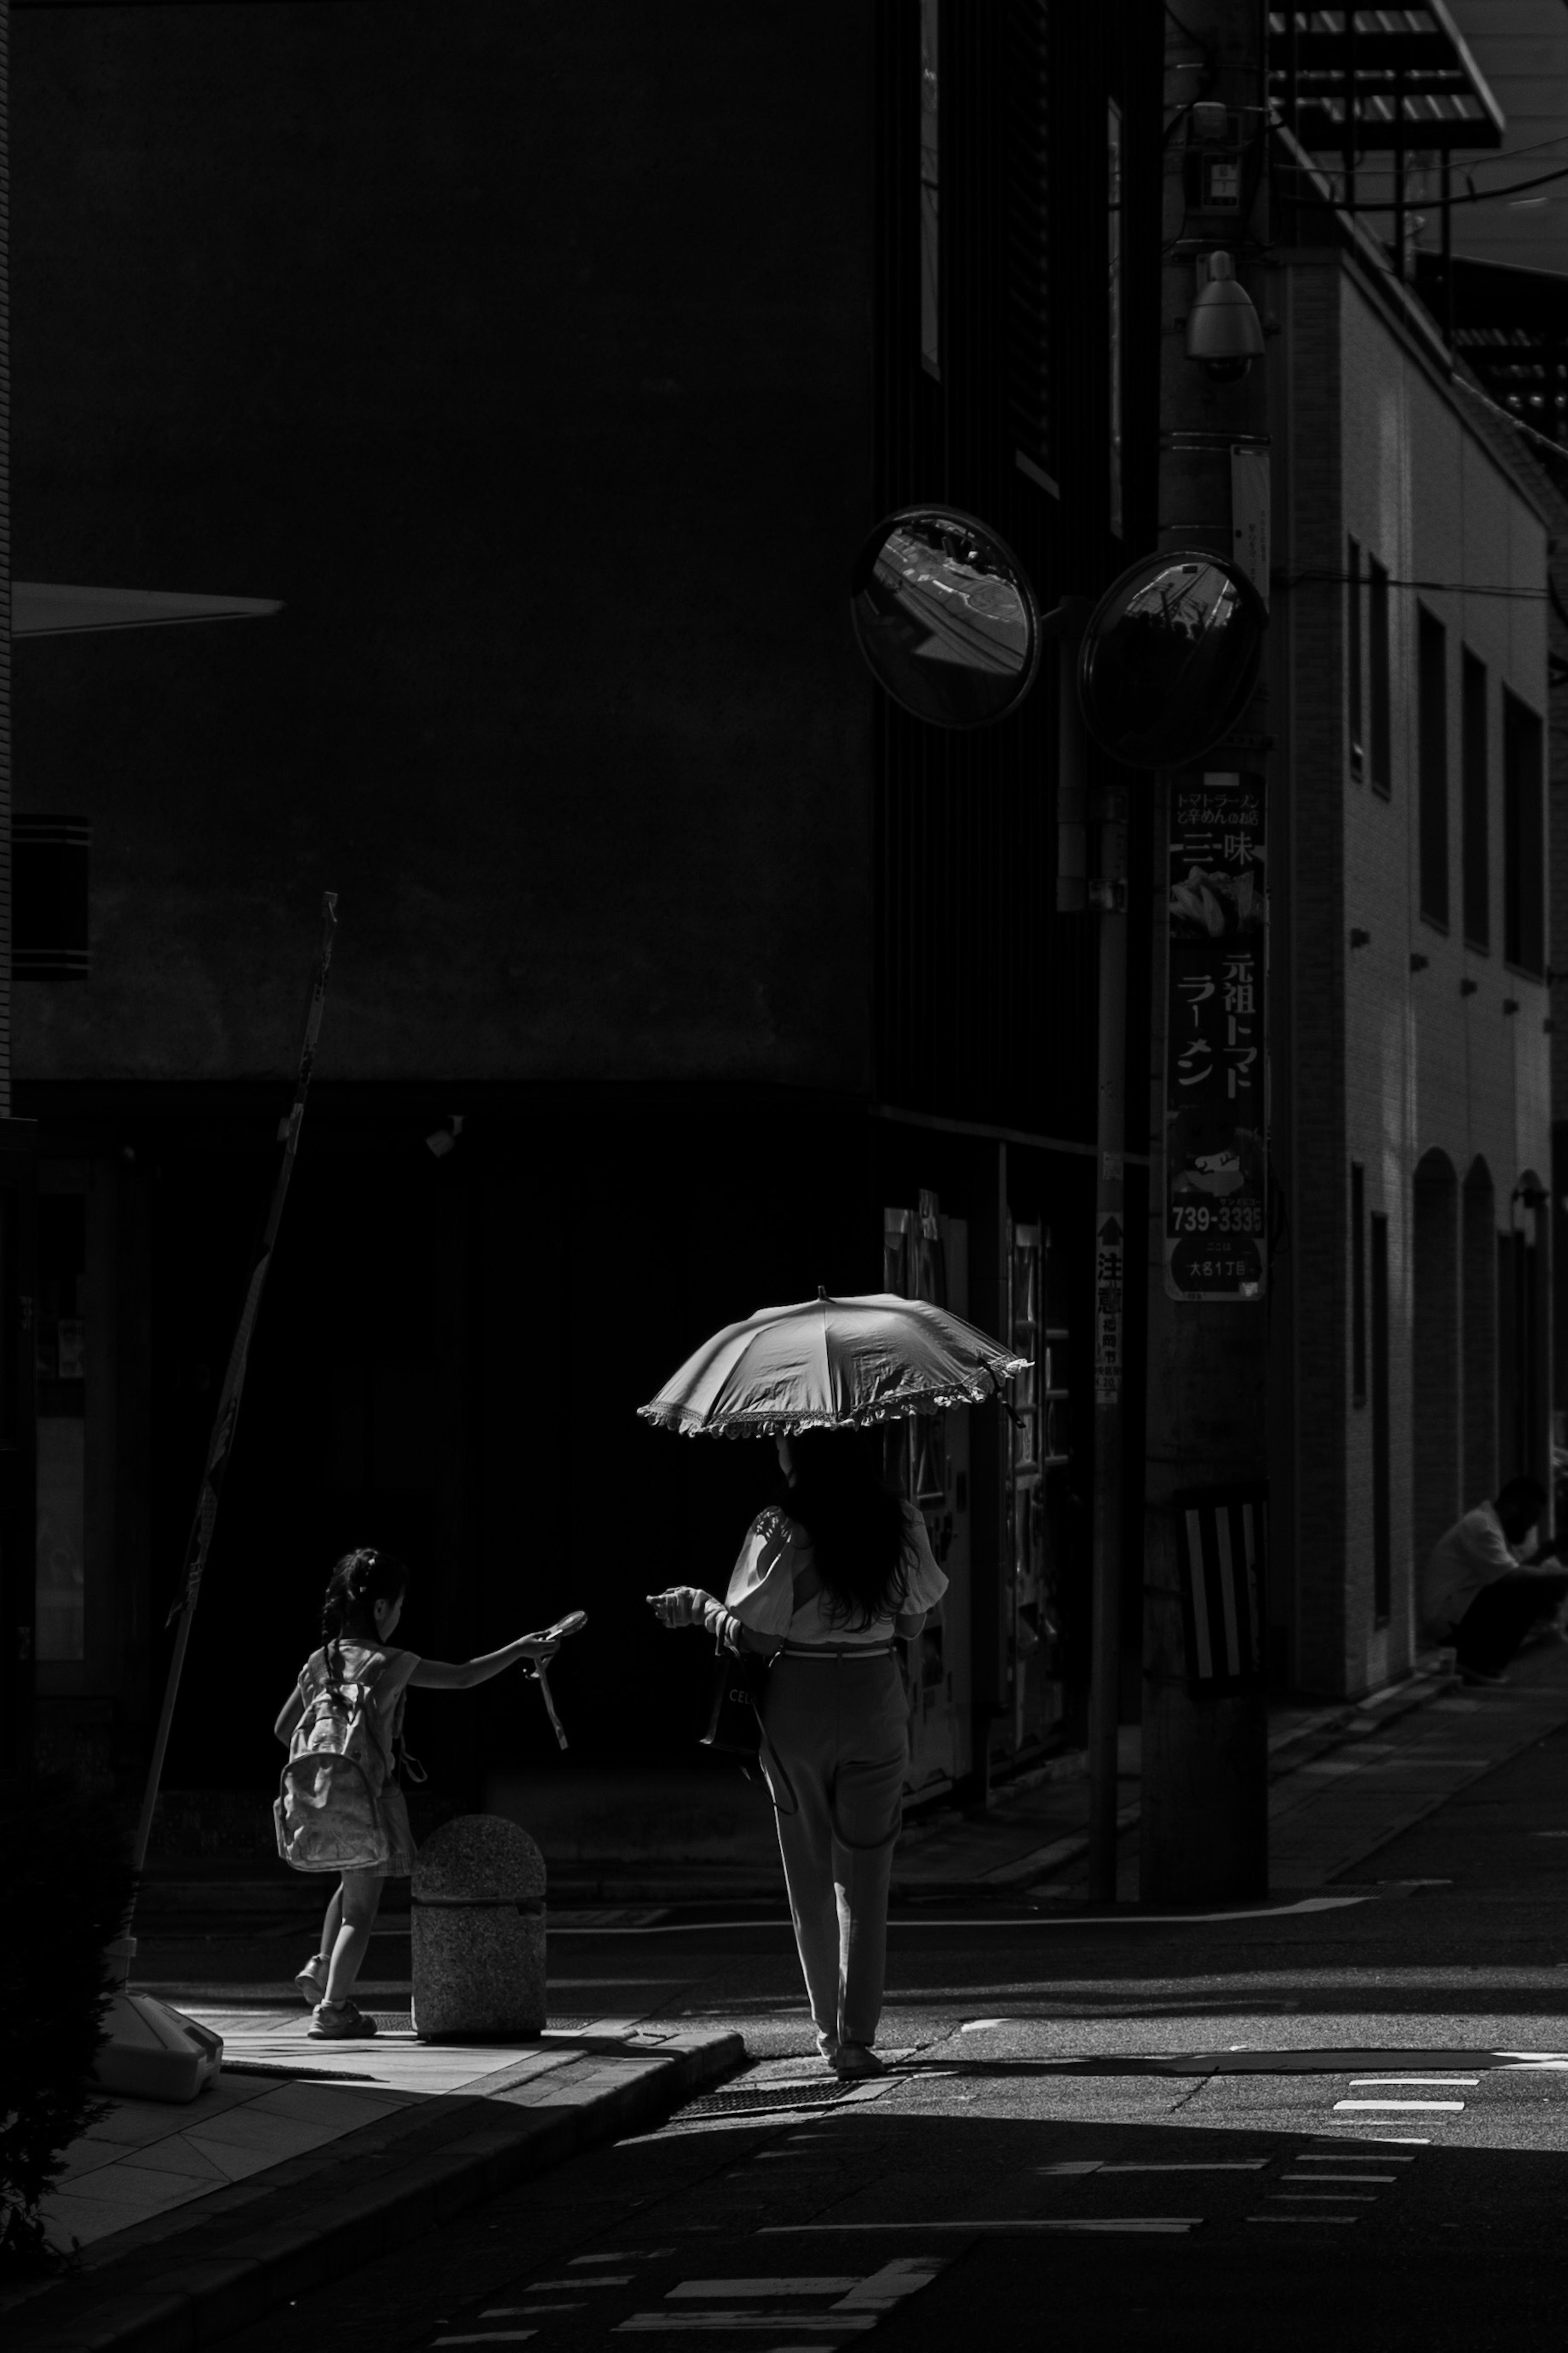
557,447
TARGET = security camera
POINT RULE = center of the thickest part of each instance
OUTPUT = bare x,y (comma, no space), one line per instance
1224,334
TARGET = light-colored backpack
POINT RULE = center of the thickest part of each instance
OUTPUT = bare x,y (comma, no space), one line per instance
328,1808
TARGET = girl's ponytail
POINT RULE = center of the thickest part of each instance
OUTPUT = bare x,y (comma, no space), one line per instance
358,1581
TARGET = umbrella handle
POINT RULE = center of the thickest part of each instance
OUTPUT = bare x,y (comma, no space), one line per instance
542,1680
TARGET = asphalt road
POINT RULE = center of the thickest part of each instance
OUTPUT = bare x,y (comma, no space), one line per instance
1346,2123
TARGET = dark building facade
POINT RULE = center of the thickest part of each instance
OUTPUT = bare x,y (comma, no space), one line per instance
551,366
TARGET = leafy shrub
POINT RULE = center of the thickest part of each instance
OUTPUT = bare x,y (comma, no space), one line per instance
65,1868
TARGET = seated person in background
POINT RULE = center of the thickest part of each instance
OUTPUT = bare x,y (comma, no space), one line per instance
1478,1590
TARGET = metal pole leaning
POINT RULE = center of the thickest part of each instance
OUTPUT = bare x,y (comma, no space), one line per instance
221,1445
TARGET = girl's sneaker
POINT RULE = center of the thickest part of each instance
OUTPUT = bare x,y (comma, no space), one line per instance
311,1980
340,2021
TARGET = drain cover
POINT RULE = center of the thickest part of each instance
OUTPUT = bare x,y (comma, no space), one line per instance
765,2095
393,2021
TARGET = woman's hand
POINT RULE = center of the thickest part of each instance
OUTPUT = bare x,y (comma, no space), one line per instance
681,1605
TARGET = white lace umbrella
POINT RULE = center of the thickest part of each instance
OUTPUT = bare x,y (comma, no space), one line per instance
832,1363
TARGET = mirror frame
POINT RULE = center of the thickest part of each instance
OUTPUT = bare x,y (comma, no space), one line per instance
860,579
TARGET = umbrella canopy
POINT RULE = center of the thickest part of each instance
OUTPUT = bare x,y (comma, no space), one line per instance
831,1363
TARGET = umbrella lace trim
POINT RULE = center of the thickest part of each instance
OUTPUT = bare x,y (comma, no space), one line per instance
688,1424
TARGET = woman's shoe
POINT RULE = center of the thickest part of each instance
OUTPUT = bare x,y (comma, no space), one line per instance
311,1980
852,2060
340,2021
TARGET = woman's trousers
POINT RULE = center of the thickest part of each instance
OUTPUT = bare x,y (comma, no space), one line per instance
839,1726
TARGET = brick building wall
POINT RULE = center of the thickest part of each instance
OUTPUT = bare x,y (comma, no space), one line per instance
1404,1060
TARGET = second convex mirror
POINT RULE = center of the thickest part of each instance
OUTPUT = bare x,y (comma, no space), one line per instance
945,616
1170,659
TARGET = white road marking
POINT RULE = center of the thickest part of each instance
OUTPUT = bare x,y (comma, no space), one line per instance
861,2299
1230,2165
905,2275
1127,2222
825,2324
721,2287
1437,2082
1082,2165
980,2025
1383,2107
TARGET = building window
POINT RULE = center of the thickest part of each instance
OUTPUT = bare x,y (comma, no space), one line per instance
1381,654
1353,658
1381,1525
1027,130
1476,843
1432,763
1358,1283
1113,302
1524,839
59,1329
930,170
49,858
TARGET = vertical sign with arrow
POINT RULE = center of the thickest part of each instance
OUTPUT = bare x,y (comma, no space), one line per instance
1109,1241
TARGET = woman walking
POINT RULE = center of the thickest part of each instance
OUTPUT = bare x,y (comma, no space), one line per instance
829,1577
363,1602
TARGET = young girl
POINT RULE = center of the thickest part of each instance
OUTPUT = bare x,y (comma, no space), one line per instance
359,1617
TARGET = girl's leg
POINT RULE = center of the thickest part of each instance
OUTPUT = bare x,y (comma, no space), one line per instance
361,1899
331,1924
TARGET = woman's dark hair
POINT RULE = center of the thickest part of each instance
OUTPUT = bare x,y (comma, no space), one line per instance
358,1581
855,1521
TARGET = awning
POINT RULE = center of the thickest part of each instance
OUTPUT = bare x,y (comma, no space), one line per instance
41,609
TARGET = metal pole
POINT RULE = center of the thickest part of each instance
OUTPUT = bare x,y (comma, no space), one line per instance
1203,1832
1110,892
226,1415
1448,249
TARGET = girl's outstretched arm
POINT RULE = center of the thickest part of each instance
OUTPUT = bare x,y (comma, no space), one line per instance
438,1674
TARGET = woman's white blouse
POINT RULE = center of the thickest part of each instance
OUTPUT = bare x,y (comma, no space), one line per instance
776,1552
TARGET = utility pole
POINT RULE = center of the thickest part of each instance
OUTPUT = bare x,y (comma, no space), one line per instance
1079,805
1204,1820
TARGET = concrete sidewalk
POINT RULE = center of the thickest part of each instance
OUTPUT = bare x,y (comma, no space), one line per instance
194,2218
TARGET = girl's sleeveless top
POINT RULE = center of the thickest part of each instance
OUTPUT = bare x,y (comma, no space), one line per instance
777,1552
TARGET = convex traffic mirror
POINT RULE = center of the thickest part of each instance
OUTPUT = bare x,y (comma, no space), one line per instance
945,616
1170,659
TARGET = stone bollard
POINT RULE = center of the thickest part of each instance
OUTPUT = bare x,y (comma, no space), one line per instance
479,1932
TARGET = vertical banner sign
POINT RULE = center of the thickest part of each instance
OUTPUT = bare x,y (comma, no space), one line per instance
1216,1070
1109,1246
